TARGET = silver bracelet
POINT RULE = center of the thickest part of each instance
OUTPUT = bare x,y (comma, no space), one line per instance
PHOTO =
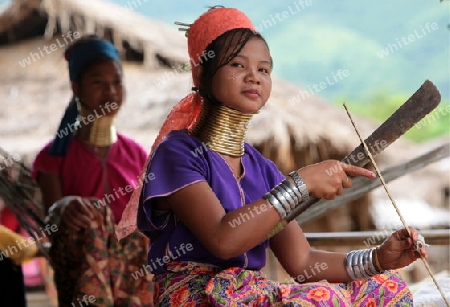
293,191
300,184
355,265
359,264
351,261
348,265
273,201
368,263
374,250
360,267
286,196
282,197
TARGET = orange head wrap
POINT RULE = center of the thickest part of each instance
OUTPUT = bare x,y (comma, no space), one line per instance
184,115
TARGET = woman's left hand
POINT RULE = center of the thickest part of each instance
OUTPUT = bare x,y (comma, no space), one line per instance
399,250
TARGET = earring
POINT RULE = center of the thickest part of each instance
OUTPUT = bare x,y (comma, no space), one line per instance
78,102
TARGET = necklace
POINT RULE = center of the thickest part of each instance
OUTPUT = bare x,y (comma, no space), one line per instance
222,129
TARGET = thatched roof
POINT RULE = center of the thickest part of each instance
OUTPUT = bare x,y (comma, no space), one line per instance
134,35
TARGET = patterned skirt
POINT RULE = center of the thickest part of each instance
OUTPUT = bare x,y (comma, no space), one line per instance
193,284
93,269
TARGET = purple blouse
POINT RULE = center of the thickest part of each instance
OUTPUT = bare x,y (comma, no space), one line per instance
181,160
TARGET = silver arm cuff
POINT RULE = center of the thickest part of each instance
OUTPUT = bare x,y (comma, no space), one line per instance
300,184
283,189
293,191
282,195
359,264
273,201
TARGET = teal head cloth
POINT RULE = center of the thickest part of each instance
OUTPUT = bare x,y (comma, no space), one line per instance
86,52
78,58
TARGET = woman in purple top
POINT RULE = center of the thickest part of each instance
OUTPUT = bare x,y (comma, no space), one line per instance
215,199
177,155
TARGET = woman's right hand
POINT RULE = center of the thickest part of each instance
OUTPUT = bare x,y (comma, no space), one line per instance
329,178
77,214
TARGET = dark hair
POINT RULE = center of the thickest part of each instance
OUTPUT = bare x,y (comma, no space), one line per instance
224,48
101,58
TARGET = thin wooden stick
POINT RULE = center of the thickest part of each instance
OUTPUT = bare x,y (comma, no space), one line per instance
393,203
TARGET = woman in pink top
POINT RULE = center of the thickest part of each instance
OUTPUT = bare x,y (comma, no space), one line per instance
86,174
